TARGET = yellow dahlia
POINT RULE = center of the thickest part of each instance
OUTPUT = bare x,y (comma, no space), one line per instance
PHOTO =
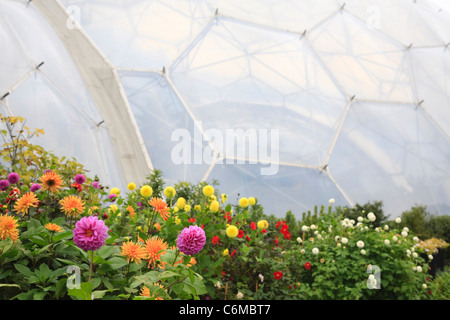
243,202
208,191
72,206
27,201
214,206
146,191
181,203
8,228
115,191
170,192
232,231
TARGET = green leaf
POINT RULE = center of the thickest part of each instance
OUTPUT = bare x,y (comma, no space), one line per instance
24,270
84,293
167,274
117,262
9,285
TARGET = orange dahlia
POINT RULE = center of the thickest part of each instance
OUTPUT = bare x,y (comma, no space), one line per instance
154,248
131,211
51,181
53,227
133,252
160,207
27,201
145,292
8,228
72,206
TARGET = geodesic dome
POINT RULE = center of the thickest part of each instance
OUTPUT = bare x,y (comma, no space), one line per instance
293,102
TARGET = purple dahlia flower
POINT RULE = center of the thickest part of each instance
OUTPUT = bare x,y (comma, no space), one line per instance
191,240
4,184
13,178
80,179
35,187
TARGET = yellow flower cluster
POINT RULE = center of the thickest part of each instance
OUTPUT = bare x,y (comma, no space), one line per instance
433,244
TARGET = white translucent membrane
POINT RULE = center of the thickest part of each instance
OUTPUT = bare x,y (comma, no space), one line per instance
295,189
237,77
67,132
431,67
54,97
141,34
293,16
253,67
366,63
408,22
392,153
165,124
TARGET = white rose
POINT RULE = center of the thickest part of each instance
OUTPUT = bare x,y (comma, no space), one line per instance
371,216
337,238
415,255
404,234
331,201
315,251
430,256
386,227
416,239
303,251
360,244
299,240
363,252
344,240
406,229
304,228
424,286
239,295
360,219
387,242
398,220
419,269
394,238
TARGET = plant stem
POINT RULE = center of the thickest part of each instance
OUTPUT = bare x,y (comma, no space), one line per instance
92,264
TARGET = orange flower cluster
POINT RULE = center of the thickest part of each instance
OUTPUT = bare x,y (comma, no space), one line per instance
8,228
51,181
160,207
151,250
27,201
72,206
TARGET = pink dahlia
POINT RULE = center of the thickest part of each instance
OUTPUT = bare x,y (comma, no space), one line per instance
90,233
191,240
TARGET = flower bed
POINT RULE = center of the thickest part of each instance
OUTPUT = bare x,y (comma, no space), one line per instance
66,236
